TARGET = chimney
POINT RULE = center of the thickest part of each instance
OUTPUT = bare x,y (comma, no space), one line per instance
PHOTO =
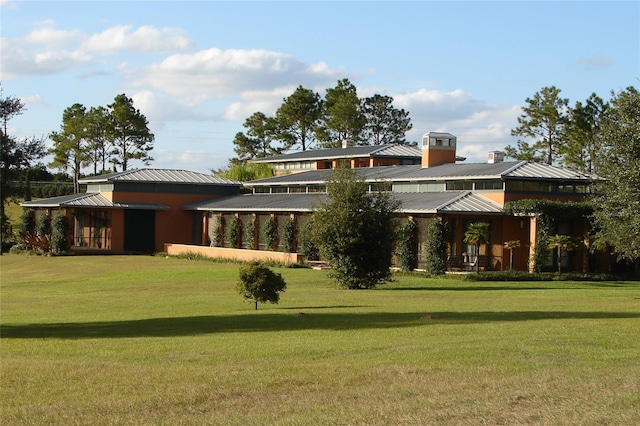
495,157
346,143
438,148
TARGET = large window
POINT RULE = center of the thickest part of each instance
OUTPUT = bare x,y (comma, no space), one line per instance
92,229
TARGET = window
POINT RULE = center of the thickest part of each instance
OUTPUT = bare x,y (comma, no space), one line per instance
92,229
459,185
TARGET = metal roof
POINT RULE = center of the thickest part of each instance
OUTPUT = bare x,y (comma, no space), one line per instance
423,202
393,150
94,200
501,170
161,176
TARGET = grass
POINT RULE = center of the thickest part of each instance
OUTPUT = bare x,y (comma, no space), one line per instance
154,340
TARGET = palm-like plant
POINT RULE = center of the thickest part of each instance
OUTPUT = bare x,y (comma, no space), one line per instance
477,233
560,243
510,245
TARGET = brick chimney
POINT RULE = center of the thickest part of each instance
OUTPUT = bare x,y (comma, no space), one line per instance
438,148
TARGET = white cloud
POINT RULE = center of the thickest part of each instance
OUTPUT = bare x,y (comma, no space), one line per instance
264,101
221,73
51,37
479,127
18,61
145,39
159,108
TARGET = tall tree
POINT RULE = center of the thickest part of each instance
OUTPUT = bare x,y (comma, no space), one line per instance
132,139
257,142
343,119
617,201
385,124
584,135
99,138
544,118
298,118
17,156
71,149
355,231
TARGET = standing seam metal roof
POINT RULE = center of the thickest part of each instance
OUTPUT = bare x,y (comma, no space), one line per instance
161,176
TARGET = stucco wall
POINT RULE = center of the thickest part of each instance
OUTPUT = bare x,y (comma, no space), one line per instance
234,254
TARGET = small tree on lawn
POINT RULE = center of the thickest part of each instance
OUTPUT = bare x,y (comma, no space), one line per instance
561,243
258,283
477,233
510,245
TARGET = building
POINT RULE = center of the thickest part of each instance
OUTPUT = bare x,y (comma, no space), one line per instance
141,210
436,188
136,210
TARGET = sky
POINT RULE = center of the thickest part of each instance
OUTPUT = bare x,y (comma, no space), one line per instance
198,69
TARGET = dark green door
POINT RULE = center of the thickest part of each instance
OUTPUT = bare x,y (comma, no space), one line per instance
140,231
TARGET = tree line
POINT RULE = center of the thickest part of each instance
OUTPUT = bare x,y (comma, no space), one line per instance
102,138
306,120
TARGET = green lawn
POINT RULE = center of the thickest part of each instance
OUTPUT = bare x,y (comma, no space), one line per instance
152,340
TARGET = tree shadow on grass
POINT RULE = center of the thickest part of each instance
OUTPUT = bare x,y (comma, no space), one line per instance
266,322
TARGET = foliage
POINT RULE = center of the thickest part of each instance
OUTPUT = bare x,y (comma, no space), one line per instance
407,245
306,240
343,118
130,133
617,207
270,234
215,230
249,228
544,118
17,157
257,141
43,224
28,220
289,231
436,248
59,234
520,276
511,245
477,233
32,241
233,230
71,145
384,123
355,231
584,143
562,243
258,283
298,118
246,171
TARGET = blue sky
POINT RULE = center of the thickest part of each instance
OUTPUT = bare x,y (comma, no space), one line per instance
198,69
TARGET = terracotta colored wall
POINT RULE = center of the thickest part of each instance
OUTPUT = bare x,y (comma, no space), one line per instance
233,254
432,157
172,226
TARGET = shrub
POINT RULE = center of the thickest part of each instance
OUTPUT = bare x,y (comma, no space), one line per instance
258,283
270,234
407,247
233,230
59,234
289,236
436,248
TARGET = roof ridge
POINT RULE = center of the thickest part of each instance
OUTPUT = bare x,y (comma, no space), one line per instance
453,200
515,167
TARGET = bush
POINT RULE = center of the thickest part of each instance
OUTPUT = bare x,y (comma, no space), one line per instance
270,234
258,283
436,248
407,247
59,234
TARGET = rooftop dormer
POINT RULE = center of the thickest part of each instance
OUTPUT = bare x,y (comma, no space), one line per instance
438,148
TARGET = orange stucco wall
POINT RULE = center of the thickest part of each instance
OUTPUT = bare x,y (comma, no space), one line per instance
233,254
172,226
432,157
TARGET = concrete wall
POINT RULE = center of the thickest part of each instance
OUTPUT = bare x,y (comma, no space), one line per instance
234,254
